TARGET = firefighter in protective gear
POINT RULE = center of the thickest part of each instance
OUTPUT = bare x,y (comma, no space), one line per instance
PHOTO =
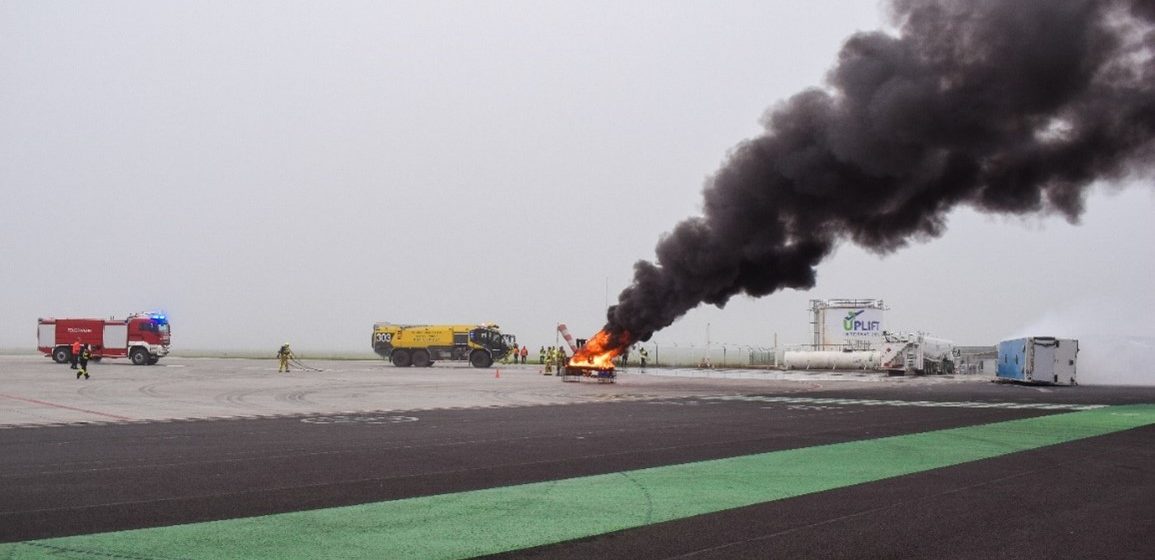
562,360
284,354
549,361
541,355
84,356
642,356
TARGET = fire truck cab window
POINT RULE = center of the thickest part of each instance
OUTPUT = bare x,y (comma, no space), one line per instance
484,337
147,327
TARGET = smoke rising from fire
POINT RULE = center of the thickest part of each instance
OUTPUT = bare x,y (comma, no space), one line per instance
1011,107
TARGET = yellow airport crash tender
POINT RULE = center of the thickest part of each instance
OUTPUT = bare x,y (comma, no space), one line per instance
421,345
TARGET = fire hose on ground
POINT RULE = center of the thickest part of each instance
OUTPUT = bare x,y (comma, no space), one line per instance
293,360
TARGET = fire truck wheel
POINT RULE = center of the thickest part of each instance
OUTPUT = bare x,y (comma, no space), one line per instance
139,356
480,359
61,355
401,358
421,358
152,361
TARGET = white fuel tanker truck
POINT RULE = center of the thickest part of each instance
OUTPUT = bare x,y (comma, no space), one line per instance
907,353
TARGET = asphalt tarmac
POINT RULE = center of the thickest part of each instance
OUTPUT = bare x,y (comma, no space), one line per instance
1054,472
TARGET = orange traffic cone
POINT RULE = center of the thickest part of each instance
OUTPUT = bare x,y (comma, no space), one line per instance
497,373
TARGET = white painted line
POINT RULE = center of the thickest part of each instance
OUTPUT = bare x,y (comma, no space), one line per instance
920,404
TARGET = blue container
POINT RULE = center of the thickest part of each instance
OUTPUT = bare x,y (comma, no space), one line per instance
1038,359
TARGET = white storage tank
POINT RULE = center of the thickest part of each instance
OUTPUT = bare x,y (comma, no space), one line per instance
831,360
846,322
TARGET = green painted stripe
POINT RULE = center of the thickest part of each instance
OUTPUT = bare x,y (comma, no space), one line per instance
482,522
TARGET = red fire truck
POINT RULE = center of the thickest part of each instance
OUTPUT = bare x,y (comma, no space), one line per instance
141,337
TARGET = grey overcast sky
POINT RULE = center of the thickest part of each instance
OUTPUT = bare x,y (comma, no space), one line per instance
272,171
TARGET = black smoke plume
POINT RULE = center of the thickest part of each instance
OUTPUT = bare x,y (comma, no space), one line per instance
1011,106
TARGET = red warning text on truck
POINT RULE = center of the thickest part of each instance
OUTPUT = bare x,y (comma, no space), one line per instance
141,337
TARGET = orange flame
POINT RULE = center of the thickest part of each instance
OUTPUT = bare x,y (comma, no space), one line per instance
599,352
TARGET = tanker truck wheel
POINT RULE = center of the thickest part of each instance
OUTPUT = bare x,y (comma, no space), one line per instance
421,358
61,355
401,358
139,356
480,359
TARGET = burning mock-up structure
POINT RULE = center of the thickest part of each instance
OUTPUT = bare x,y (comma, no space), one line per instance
595,358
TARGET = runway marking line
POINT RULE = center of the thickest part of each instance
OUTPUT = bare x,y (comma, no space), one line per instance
66,407
481,522
920,404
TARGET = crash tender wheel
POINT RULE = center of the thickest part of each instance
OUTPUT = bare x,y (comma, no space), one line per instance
480,359
139,356
61,355
421,358
401,358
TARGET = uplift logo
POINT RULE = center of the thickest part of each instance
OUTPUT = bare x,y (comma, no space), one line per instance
852,324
